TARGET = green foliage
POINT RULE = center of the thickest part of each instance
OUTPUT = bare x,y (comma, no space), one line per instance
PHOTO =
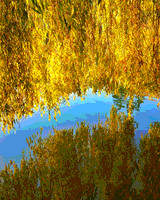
121,99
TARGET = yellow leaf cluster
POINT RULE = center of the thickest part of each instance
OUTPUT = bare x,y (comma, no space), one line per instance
53,49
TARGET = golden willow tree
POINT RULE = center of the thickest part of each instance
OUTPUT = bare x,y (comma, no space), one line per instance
51,49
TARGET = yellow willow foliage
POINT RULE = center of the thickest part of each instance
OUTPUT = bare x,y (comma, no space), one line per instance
51,49
149,161
71,166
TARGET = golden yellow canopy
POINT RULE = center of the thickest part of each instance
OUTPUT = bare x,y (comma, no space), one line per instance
51,49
